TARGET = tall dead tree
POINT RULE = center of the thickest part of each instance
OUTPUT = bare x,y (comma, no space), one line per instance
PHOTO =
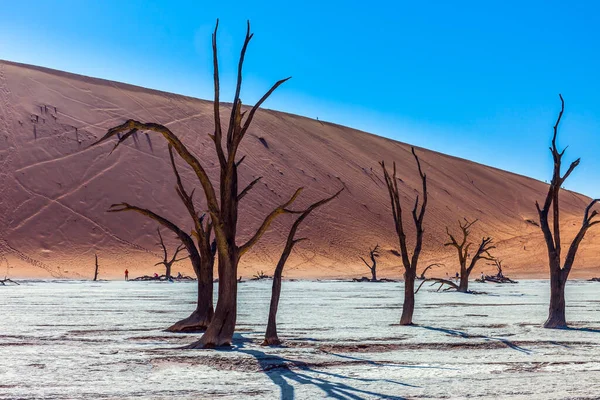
560,274
223,208
96,269
201,254
462,248
166,262
271,337
373,255
418,214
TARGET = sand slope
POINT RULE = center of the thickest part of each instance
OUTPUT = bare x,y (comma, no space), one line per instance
55,188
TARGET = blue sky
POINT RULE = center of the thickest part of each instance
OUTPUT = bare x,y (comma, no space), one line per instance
475,79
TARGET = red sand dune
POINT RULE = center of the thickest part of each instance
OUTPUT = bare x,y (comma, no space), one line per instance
55,189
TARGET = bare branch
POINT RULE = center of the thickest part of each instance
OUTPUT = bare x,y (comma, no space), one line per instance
183,152
365,261
560,114
267,222
248,188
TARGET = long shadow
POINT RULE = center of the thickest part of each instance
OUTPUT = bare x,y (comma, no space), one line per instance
281,370
379,364
592,330
465,335
285,372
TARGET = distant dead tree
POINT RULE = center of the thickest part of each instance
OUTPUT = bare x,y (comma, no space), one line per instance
428,268
223,208
168,263
96,270
201,253
559,275
499,268
260,275
373,255
499,277
462,248
4,281
271,337
418,214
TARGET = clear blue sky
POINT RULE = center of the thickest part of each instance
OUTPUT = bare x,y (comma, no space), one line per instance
475,79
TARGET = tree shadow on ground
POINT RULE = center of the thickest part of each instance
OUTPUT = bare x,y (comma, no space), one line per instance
380,364
466,335
288,373
583,329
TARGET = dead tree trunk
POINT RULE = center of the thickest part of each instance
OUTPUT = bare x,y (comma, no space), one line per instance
96,270
222,209
373,254
410,264
199,320
271,337
462,249
559,275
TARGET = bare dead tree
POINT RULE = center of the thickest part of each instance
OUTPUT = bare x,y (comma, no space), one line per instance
260,275
499,277
560,274
428,268
96,270
499,267
271,337
166,262
462,249
222,209
373,255
410,264
6,280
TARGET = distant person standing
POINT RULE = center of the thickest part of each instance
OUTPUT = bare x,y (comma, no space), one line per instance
126,274
456,276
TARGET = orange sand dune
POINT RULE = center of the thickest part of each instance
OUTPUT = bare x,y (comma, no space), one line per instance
55,188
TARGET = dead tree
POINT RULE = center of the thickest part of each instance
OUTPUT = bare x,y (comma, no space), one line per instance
462,249
222,208
96,270
168,263
499,277
260,275
428,268
202,257
410,264
559,275
498,264
6,280
271,337
373,255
